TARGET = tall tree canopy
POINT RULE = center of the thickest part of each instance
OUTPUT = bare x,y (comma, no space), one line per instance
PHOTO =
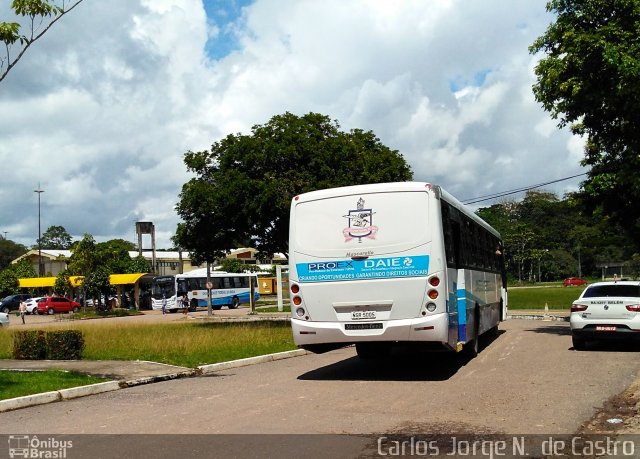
590,80
55,237
40,15
553,238
244,184
9,251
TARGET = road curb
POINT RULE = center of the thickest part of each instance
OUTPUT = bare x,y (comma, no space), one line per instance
57,395
94,389
550,317
212,368
158,378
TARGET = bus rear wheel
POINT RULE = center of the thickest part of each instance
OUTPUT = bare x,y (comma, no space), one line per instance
235,302
193,306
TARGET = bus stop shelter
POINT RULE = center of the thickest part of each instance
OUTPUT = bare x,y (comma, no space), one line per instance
117,280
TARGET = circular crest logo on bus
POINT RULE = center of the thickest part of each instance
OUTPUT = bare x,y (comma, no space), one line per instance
360,223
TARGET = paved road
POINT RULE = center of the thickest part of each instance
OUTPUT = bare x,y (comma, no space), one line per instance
528,380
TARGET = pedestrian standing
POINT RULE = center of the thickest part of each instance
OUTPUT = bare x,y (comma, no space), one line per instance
185,304
164,304
23,310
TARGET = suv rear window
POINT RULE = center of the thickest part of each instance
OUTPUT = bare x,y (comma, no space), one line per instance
612,290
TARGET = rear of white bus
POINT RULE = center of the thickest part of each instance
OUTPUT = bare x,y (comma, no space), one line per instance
367,265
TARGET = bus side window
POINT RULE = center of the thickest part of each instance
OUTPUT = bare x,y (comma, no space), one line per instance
451,233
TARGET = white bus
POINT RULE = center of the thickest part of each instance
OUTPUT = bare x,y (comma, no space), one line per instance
228,289
374,265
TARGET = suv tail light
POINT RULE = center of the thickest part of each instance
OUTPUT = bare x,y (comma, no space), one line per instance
633,307
575,307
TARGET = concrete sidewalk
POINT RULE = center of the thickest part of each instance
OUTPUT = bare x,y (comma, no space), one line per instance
539,314
123,374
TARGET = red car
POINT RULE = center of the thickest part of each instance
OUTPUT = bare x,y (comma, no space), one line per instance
52,304
571,281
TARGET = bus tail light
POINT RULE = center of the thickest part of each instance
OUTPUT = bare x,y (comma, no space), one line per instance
434,281
295,288
633,307
433,294
576,307
297,300
431,307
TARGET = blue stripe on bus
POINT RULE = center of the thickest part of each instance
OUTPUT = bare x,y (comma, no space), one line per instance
462,315
226,300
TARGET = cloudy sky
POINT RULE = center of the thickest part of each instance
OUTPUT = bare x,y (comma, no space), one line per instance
101,110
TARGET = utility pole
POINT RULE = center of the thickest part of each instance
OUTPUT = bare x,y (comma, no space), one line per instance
40,266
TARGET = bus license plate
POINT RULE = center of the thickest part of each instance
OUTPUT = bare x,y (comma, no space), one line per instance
605,328
360,315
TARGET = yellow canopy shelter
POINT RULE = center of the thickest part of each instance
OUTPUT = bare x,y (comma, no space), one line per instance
76,281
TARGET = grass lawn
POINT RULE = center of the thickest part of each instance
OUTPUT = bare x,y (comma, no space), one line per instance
556,297
187,345
20,383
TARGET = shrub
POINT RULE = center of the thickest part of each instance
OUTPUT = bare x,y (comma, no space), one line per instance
29,345
64,344
53,345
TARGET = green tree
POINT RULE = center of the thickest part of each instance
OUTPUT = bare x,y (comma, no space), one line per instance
96,285
62,285
9,276
590,81
8,282
9,251
55,238
232,265
114,255
244,184
139,264
634,266
40,16
83,259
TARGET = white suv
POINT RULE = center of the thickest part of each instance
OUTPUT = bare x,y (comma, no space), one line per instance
606,310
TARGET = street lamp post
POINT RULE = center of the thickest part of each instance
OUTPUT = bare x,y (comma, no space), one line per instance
40,267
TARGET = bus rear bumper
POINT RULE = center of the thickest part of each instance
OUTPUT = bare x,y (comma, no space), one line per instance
432,328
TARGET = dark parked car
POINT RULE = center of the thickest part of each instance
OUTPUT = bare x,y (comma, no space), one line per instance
53,304
571,281
12,301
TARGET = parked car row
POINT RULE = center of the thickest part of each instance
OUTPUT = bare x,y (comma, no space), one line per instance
39,305
12,302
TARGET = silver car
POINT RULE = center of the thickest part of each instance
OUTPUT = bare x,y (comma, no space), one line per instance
606,310
4,319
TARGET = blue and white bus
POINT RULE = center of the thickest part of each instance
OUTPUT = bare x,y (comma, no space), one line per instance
374,265
228,289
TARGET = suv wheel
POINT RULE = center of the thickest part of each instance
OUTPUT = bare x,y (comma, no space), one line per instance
50,311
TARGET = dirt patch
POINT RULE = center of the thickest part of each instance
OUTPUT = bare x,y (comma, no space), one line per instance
620,414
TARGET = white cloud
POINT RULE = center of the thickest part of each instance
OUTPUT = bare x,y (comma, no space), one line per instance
101,110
